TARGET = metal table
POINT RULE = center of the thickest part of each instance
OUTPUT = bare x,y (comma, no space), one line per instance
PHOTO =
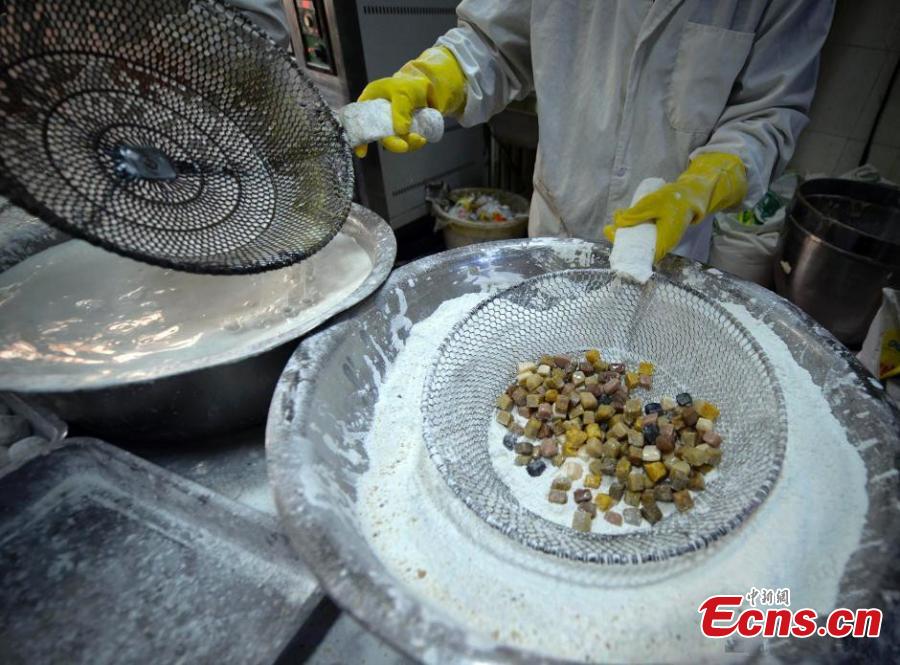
235,467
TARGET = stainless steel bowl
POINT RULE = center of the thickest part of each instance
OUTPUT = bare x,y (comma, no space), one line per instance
218,342
316,447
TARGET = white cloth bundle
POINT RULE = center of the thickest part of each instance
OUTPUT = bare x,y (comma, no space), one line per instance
370,121
632,253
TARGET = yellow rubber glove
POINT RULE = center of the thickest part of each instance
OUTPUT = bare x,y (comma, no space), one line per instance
713,181
433,79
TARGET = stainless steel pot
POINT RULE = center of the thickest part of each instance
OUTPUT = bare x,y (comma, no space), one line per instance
221,381
839,247
199,403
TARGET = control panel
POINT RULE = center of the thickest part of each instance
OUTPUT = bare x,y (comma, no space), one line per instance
317,52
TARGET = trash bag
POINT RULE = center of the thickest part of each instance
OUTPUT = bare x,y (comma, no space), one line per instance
880,353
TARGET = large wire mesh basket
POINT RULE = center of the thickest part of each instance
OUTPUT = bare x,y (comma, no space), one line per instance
695,345
171,131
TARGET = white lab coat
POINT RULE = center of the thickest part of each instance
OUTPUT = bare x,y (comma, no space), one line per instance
629,89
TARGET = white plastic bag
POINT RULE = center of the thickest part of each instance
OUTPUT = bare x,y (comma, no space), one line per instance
745,251
880,353
748,249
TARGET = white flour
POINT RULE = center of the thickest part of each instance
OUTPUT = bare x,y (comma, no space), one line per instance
633,252
801,537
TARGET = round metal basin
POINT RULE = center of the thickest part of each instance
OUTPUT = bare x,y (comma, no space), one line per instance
317,453
155,353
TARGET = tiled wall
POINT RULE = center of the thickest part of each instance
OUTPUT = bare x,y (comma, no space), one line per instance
857,61
885,152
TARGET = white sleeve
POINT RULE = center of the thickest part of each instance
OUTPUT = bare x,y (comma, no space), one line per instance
769,102
493,46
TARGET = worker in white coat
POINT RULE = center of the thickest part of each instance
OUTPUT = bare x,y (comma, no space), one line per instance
709,95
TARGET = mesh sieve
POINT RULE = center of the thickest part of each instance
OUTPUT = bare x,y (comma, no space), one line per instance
171,131
695,345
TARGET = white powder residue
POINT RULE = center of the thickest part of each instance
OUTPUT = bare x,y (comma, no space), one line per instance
801,537
635,247
103,318
632,253
372,120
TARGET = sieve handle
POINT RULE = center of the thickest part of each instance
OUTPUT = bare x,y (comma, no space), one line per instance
370,121
633,250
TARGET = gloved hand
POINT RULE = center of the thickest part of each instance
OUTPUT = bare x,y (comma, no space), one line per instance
713,181
433,79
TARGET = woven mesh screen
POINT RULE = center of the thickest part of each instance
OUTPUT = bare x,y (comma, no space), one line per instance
695,345
237,164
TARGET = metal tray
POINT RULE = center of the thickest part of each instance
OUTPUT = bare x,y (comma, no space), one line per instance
105,558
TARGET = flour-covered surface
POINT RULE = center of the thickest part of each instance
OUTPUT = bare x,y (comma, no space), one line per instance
232,465
75,316
377,524
694,345
369,121
633,252
430,541
107,559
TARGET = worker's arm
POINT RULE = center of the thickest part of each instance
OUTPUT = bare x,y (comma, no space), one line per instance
769,103
713,181
493,46
472,72
756,133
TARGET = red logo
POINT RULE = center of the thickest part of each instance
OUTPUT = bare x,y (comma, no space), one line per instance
722,616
